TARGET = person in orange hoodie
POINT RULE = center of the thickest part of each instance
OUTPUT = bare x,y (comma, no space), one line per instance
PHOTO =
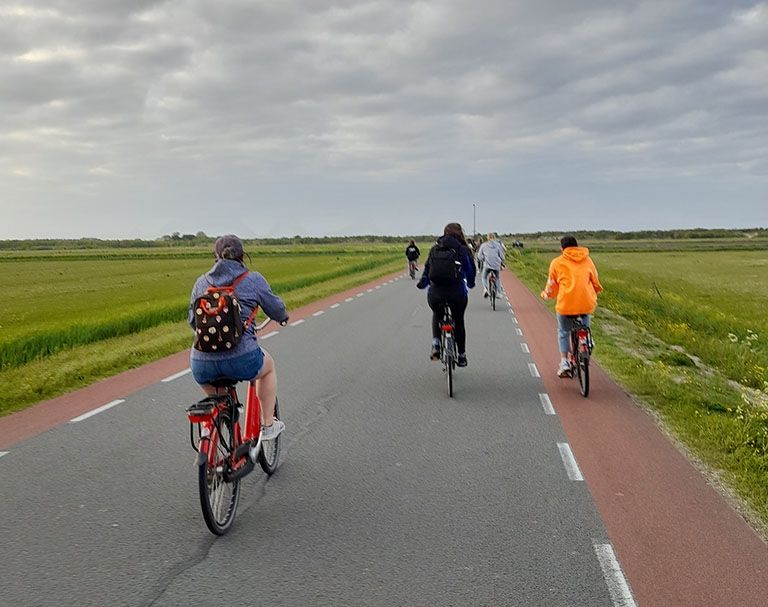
573,280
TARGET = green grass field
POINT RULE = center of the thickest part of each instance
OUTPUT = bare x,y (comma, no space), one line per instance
687,334
78,316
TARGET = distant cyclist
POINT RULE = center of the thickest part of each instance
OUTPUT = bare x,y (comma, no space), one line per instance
490,257
573,280
449,272
246,361
412,254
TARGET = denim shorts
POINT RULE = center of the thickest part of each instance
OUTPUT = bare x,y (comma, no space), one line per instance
242,368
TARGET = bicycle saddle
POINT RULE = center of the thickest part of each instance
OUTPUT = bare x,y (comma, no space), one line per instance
224,382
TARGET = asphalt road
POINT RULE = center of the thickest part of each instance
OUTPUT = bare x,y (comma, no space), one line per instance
389,493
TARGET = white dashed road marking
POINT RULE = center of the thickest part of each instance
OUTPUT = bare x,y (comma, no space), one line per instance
547,404
109,405
571,467
620,592
519,332
534,370
524,348
319,313
298,322
3,453
349,299
176,375
334,306
268,335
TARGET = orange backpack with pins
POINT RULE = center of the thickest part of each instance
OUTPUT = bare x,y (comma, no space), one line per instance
218,325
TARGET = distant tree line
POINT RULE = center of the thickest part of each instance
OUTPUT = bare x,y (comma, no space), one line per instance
681,234
202,239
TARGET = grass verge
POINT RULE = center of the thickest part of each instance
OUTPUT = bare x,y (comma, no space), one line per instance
722,424
80,366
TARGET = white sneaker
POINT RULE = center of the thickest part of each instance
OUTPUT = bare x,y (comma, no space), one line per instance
564,370
273,431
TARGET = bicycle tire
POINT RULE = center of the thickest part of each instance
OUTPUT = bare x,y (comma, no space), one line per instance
218,498
269,456
582,368
493,295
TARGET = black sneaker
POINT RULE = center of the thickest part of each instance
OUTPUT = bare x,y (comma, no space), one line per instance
461,361
435,353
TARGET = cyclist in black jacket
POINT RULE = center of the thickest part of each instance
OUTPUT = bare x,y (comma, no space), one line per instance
449,286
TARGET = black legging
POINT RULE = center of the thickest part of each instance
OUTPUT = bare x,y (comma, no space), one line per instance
457,301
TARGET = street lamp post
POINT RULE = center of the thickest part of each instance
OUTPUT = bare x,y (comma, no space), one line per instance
474,219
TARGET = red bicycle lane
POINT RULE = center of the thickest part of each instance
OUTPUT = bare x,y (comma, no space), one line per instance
679,542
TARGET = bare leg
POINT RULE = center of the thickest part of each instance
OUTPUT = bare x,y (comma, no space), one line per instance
266,389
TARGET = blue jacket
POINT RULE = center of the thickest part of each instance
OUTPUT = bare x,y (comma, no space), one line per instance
252,291
467,265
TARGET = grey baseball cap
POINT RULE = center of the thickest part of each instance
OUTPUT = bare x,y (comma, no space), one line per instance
228,246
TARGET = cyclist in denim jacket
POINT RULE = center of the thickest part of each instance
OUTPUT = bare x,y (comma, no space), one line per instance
247,361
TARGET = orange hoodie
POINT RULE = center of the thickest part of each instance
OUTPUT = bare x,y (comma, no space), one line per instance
573,279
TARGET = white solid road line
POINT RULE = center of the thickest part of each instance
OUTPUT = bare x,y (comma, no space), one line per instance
534,370
297,322
571,467
268,335
524,348
546,403
176,375
80,418
618,588
319,313
334,306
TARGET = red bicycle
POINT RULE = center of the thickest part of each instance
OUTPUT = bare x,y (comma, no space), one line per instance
228,448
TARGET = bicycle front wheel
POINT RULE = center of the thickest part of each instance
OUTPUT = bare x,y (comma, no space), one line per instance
269,457
582,369
219,498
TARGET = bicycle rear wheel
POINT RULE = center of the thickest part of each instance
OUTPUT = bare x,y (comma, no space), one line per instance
219,498
269,457
492,289
582,369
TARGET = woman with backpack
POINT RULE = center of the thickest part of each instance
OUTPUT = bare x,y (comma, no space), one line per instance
215,353
449,272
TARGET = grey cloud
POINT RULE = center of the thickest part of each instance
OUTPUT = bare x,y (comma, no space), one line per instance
110,93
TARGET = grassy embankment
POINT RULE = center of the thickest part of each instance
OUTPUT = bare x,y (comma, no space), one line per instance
81,316
686,333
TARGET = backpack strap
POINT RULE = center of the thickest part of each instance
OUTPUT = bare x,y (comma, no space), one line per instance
255,308
250,317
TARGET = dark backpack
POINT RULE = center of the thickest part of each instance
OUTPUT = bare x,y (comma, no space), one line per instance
444,266
218,326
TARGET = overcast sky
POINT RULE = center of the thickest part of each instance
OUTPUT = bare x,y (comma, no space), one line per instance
141,118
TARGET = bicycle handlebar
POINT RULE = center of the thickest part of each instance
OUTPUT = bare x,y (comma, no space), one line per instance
268,320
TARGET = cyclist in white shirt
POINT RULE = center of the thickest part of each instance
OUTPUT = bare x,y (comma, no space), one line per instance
491,255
